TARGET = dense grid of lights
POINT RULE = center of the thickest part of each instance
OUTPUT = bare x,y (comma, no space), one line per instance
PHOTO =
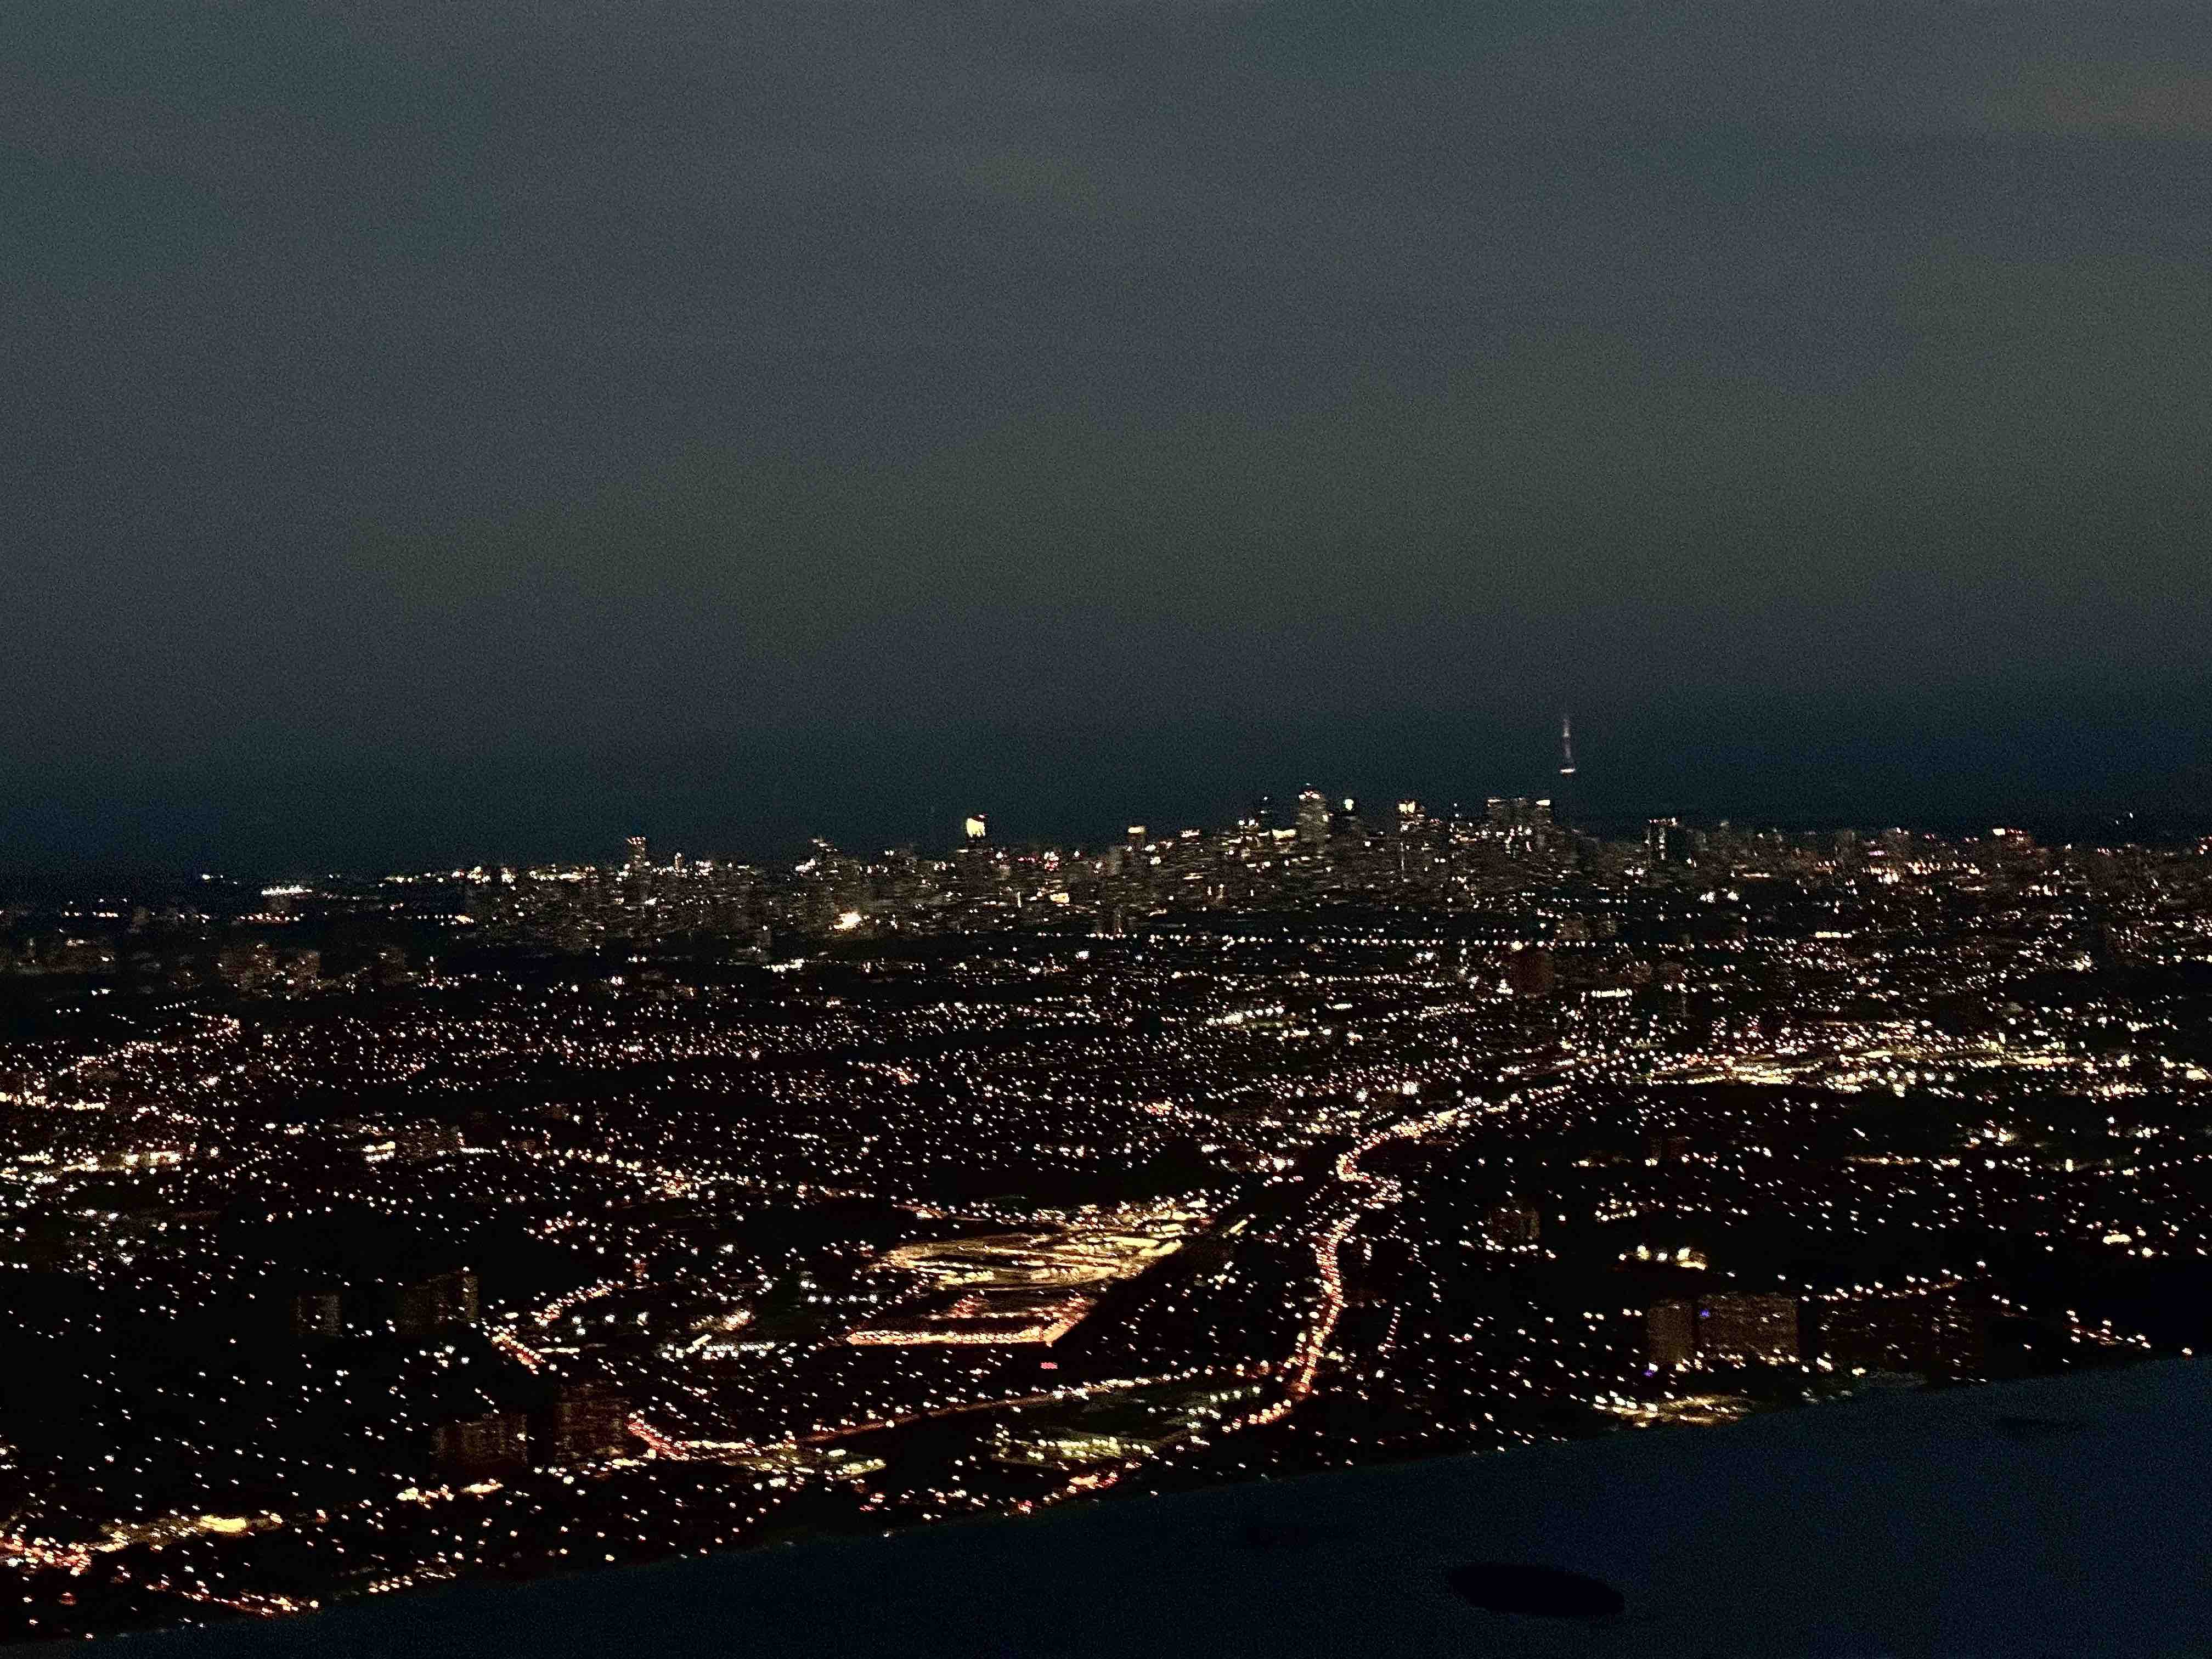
360,1236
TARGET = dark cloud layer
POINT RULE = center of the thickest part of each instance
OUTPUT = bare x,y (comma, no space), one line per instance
460,402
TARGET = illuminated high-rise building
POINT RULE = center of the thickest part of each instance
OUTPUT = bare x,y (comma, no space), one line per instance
584,1422
977,828
1727,1329
1670,1330
1313,820
636,878
1760,1329
1942,1331
1518,812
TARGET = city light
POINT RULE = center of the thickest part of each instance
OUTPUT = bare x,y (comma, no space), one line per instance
362,1234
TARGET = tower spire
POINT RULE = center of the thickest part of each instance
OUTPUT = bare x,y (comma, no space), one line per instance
1566,746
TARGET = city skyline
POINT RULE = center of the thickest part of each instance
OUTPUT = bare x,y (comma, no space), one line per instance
2083,768
524,406
368,1234
778,772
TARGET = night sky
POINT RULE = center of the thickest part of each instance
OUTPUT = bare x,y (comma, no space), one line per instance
474,428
